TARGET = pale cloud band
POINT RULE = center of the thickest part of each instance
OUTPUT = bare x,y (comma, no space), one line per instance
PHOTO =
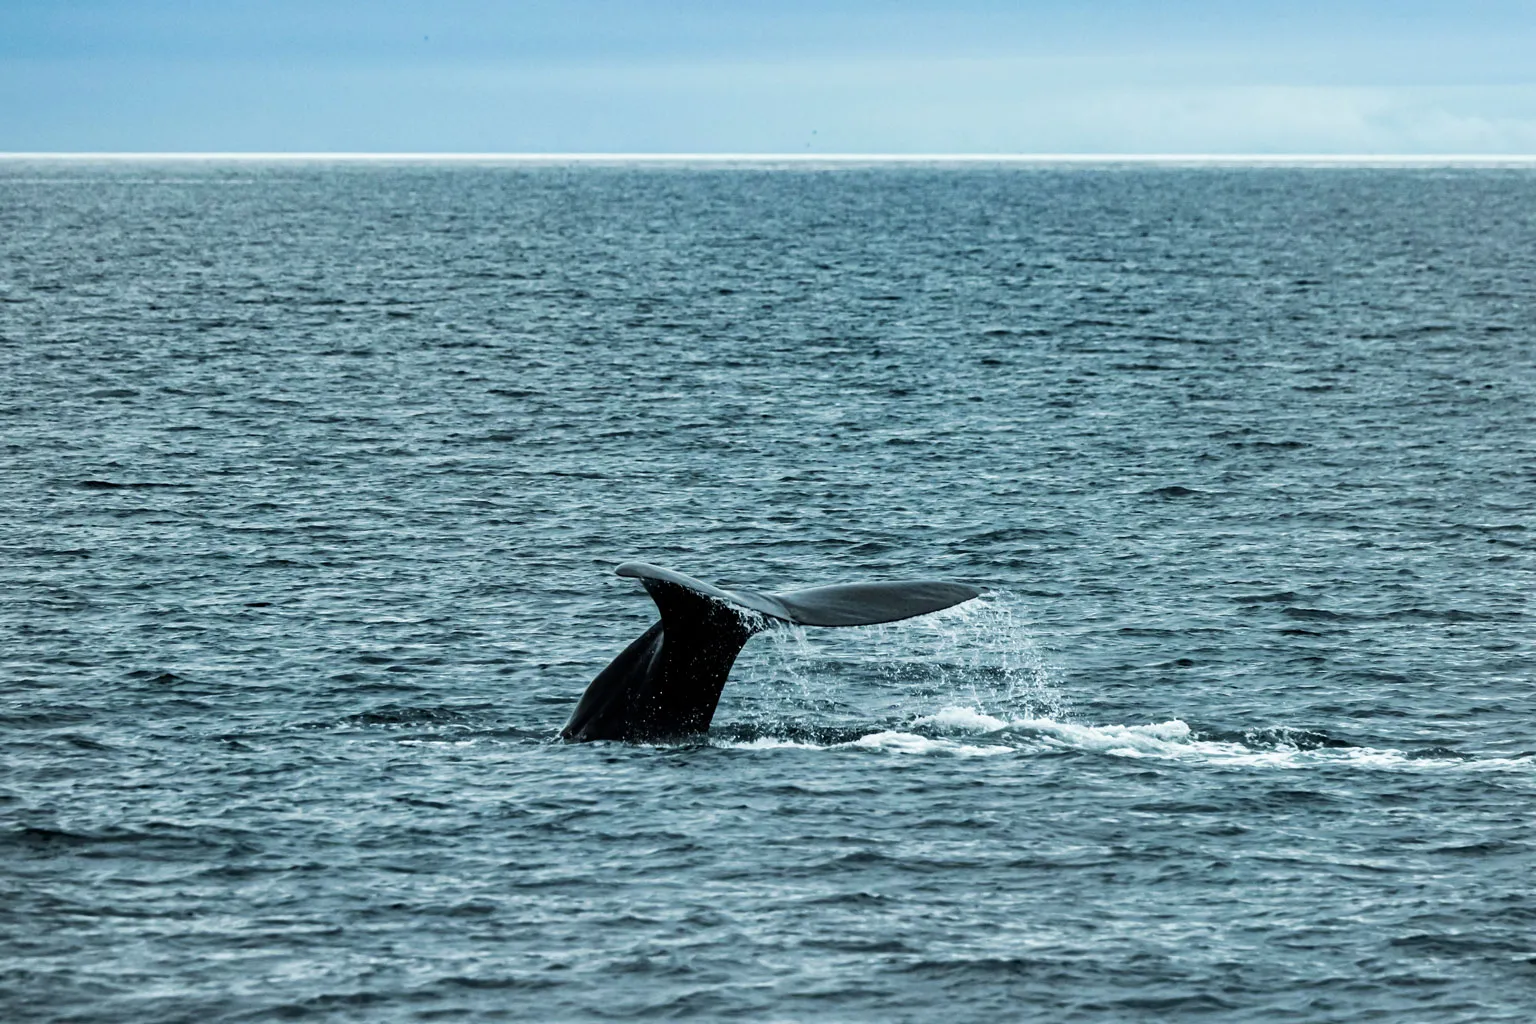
1328,85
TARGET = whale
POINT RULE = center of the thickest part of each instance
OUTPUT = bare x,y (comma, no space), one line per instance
666,684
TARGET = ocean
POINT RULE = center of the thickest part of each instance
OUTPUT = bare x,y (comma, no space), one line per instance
315,475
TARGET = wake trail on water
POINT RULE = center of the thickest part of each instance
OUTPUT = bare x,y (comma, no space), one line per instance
968,732
973,682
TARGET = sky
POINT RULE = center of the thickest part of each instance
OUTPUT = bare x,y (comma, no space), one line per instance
792,76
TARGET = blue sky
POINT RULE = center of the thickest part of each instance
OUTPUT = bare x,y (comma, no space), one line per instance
969,76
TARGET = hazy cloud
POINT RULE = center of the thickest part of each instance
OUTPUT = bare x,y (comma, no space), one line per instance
843,77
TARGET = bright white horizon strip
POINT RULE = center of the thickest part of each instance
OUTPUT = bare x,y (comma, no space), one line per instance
1241,159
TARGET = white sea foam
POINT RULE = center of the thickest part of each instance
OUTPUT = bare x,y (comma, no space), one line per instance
913,743
970,720
770,743
967,731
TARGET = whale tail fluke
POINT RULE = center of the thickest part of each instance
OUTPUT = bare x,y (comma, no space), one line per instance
667,683
868,604
842,604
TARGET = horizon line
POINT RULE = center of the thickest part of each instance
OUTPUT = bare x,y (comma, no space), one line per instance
1364,159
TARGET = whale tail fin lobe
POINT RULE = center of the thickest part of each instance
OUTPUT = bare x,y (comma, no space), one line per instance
867,604
842,604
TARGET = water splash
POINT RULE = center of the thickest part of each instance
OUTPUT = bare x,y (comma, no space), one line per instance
980,653
983,651
971,681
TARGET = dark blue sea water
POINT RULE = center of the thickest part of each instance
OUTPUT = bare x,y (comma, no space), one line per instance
314,476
